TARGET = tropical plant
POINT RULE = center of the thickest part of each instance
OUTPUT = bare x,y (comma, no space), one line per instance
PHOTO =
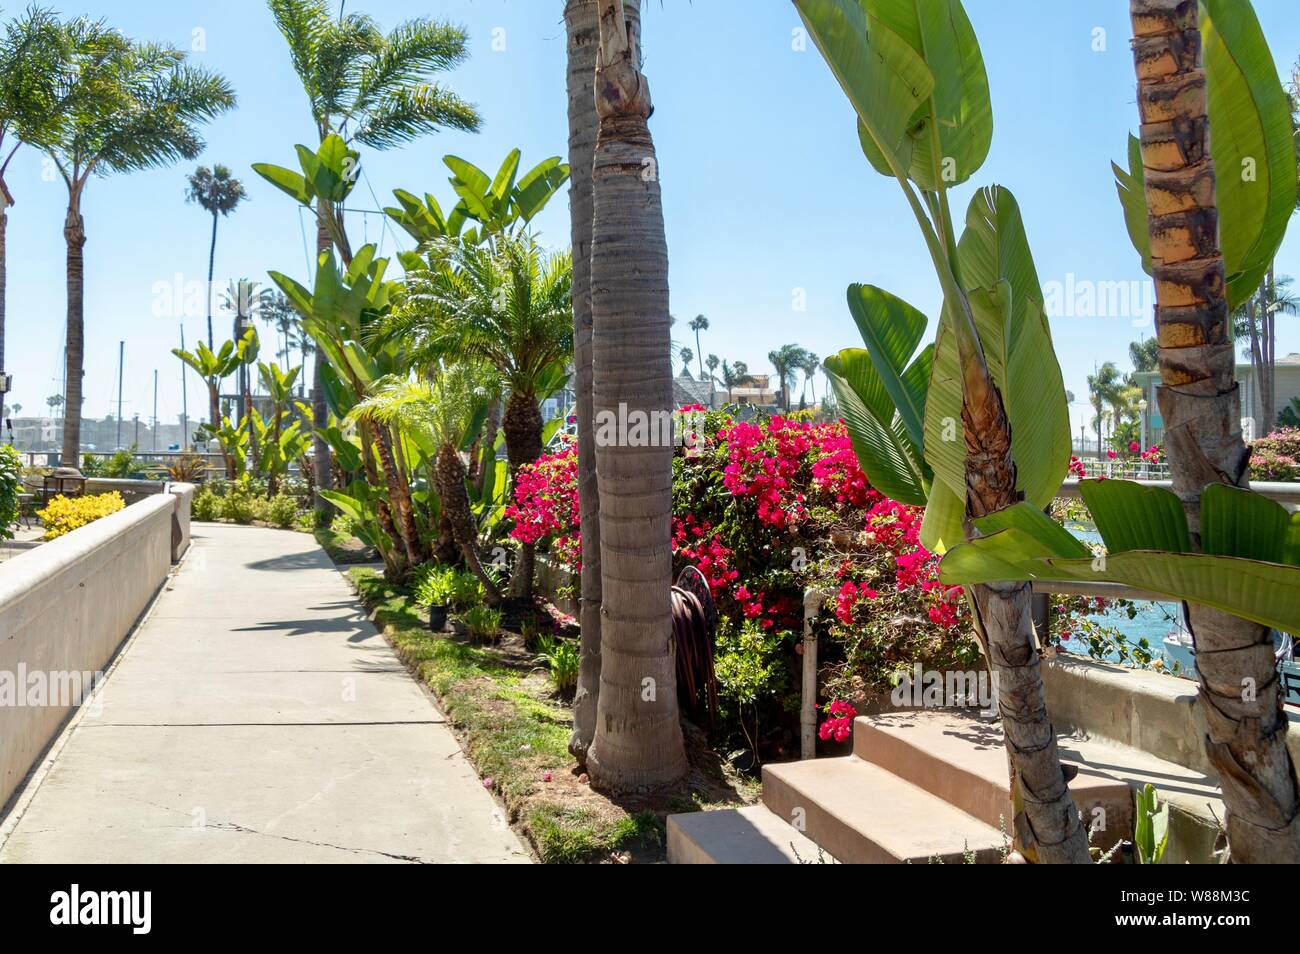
282,445
11,488
1103,387
1209,242
483,623
1143,354
563,659
1256,323
638,739
138,106
582,40
376,90
212,367
505,304
1150,826
218,193
497,204
810,365
441,414
32,103
699,323
687,356
786,361
915,76
735,375
434,584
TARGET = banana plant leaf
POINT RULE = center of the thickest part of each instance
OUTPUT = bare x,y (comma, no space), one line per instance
1251,144
1023,544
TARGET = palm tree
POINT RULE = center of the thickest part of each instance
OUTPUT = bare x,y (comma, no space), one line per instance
440,411
31,105
786,360
734,376
699,323
506,303
687,356
1102,386
638,741
243,301
1199,399
139,106
218,193
372,88
711,362
1143,354
810,365
582,39
1255,320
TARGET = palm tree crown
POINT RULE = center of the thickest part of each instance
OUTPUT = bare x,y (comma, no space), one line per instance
215,189
368,86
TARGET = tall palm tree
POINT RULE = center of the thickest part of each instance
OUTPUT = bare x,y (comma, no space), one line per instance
711,362
1200,402
218,192
31,105
786,360
1102,386
699,323
504,302
374,89
638,741
1143,354
687,356
582,40
139,106
810,365
735,375
1255,320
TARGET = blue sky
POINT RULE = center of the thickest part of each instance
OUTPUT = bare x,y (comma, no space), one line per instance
768,200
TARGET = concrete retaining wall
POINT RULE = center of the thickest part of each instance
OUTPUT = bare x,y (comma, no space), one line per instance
67,605
1149,711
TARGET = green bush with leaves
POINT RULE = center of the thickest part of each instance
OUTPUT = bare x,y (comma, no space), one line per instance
434,584
241,504
11,485
466,591
563,658
483,623
207,505
279,511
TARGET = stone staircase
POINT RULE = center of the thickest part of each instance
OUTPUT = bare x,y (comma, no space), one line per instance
920,785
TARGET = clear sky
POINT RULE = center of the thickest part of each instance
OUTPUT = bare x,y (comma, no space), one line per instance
768,199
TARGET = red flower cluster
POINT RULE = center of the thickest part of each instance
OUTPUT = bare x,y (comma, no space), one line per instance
693,541
840,723
895,525
1076,468
546,504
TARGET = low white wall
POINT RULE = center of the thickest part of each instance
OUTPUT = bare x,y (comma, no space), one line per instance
67,605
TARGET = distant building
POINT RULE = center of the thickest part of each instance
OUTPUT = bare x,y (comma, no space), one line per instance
1287,386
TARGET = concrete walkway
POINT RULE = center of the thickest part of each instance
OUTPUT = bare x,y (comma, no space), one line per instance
257,716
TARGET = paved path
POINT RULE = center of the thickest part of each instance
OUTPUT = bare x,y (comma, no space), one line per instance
257,716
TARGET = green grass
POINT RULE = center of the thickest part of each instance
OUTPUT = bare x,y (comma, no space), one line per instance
512,733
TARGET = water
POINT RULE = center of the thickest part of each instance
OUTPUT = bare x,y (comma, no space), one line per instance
1152,621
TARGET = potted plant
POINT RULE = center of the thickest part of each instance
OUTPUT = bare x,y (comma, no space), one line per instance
433,590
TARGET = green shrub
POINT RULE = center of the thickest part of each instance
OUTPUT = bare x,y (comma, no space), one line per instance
483,623
279,511
466,591
434,584
240,504
563,659
11,485
342,525
206,505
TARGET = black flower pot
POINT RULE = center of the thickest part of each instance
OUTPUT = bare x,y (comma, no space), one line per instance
437,618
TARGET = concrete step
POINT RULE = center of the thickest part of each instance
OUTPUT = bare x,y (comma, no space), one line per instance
860,813
962,760
738,836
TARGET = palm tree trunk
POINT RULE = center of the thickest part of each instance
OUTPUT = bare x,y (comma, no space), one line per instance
580,19
212,264
74,235
456,508
1256,351
1270,354
638,739
404,517
1246,730
319,410
1050,821
522,424
487,446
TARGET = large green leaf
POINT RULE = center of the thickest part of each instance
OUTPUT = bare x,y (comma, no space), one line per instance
1130,516
943,526
1266,593
291,183
1241,523
884,77
1251,144
1133,200
959,107
892,463
891,329
1053,537
1006,301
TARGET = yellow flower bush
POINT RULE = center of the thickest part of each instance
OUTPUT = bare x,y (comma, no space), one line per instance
65,514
